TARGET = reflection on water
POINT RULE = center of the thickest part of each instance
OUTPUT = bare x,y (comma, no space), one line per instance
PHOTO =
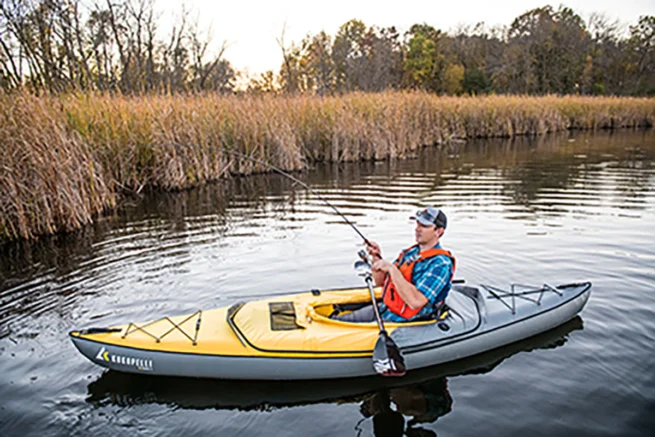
422,396
561,208
425,403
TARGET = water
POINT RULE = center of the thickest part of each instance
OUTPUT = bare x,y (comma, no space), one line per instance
553,209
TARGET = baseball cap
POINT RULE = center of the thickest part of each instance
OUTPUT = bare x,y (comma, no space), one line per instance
431,216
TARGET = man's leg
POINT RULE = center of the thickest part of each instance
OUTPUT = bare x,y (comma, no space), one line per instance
362,315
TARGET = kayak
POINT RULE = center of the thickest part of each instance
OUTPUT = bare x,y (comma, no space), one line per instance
129,389
292,337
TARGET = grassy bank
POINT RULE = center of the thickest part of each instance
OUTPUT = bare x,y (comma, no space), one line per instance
66,159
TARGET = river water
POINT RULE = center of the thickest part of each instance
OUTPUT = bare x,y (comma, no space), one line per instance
552,209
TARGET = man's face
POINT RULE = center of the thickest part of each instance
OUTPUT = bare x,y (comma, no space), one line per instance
426,233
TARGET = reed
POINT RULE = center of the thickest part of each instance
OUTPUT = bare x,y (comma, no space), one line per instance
66,159
50,178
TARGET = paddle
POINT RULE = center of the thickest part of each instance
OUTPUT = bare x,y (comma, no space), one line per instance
387,359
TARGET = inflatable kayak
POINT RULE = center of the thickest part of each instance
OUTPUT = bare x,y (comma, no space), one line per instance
129,389
292,337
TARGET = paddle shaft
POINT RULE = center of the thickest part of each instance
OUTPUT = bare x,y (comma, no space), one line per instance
369,282
287,175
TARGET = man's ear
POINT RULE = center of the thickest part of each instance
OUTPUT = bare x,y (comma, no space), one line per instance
440,231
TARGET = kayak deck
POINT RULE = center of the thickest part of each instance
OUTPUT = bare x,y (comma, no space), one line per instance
248,329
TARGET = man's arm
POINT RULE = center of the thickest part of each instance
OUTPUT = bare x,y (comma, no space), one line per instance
432,281
408,292
378,275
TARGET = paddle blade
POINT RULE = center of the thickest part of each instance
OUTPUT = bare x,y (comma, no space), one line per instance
387,359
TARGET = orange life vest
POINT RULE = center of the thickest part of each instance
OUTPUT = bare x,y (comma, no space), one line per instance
392,298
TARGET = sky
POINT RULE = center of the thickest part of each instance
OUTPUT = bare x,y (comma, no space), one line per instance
250,27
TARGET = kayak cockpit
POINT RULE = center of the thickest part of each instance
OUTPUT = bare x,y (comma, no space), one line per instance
301,324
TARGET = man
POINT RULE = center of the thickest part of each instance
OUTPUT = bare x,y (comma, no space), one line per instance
418,281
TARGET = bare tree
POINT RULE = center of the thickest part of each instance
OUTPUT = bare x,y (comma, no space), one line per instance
288,72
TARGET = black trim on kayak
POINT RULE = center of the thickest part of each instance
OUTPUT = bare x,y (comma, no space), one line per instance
88,331
231,312
444,341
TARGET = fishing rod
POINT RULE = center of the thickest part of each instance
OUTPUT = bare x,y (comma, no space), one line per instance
287,175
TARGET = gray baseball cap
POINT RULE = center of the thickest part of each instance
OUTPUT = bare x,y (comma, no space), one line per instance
431,216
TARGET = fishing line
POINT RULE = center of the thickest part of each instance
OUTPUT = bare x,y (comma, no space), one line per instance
285,174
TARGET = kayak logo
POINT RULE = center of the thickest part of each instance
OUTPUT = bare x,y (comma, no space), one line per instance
125,360
103,355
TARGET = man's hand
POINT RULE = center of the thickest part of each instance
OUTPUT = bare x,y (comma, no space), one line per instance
382,266
374,250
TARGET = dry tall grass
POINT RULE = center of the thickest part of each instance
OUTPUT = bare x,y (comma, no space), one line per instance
65,159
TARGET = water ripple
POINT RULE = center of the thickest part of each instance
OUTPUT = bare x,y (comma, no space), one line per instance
525,210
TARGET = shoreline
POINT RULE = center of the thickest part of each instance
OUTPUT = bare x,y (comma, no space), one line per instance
69,159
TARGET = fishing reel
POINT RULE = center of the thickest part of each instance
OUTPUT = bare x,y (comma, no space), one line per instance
363,266
363,255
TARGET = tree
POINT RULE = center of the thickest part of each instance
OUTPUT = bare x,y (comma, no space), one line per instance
265,83
642,43
58,45
475,82
347,55
319,63
607,72
424,65
384,59
453,79
547,50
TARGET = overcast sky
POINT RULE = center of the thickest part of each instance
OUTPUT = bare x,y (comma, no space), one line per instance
251,27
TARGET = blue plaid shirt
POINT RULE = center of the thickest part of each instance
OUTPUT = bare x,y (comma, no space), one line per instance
431,277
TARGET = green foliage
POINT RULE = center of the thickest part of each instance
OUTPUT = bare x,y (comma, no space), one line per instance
453,79
598,89
476,82
346,50
642,44
419,61
424,65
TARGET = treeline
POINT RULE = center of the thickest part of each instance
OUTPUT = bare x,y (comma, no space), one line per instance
62,45
115,45
543,51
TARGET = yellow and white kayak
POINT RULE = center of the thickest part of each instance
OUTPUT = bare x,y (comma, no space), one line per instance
292,336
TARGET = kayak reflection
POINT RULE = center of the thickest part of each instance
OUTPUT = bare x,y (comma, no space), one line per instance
125,389
425,403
